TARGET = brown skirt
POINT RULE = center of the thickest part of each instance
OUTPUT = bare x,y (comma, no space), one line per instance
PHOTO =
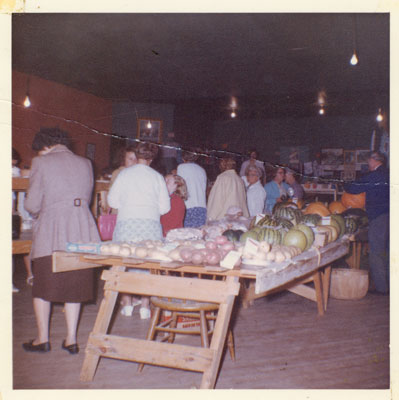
62,287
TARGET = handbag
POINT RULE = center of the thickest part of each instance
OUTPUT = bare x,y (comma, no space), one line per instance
106,225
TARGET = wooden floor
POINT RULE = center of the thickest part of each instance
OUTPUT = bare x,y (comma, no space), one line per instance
281,343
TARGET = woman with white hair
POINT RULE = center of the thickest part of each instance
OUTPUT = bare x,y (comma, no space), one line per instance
256,194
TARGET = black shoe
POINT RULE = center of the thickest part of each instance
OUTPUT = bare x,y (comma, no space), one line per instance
72,348
41,347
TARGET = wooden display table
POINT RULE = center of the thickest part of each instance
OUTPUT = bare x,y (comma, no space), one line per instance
320,189
222,292
23,244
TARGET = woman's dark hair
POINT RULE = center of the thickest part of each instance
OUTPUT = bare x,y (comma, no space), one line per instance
16,156
146,151
131,148
48,137
273,172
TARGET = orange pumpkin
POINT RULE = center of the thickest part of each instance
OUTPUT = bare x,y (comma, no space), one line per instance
336,207
317,208
354,200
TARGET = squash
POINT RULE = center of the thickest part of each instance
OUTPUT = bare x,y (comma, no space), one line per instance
341,222
317,208
270,235
294,237
308,233
336,207
311,219
351,225
290,213
354,200
249,234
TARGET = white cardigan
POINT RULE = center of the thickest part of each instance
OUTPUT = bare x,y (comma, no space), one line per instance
139,192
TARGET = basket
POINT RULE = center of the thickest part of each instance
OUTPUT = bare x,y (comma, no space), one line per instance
349,284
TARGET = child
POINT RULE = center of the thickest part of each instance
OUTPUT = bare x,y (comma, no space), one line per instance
178,194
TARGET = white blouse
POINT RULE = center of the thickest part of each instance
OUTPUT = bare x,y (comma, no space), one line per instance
256,196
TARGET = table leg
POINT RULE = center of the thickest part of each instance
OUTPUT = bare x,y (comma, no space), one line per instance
326,285
219,338
319,292
101,326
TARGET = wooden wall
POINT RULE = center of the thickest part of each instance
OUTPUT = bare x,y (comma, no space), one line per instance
82,115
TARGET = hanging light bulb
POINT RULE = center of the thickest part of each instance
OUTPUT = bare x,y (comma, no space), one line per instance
321,111
233,114
379,116
149,125
27,102
354,59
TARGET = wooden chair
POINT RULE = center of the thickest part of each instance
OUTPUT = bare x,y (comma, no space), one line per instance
204,312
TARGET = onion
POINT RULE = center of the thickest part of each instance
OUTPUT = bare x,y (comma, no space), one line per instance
213,258
124,251
186,254
141,252
114,248
221,239
104,249
211,245
175,255
227,246
264,246
271,256
197,257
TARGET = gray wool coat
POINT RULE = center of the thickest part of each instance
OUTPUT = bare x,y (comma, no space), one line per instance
60,189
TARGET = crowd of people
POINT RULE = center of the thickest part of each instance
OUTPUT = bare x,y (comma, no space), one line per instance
148,205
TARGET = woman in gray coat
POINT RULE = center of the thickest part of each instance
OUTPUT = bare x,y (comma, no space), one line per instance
59,193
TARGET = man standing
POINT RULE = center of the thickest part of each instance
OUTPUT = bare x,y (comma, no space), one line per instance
376,185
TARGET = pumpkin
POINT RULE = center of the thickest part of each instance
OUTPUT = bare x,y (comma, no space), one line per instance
311,219
336,207
308,233
317,208
270,235
354,200
295,237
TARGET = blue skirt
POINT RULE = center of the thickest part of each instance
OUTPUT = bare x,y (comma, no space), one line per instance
136,230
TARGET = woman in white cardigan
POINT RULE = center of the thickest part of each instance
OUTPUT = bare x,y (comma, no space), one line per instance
256,194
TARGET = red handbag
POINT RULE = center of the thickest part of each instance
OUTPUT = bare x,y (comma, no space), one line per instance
106,225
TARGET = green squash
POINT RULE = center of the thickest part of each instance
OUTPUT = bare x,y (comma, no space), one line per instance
249,234
340,221
295,237
270,235
308,232
351,225
311,219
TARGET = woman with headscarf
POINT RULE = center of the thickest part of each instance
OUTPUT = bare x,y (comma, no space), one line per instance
228,190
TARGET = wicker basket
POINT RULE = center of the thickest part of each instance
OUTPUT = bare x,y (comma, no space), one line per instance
349,284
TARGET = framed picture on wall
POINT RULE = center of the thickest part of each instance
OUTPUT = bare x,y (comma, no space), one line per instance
333,158
349,157
362,156
149,129
90,151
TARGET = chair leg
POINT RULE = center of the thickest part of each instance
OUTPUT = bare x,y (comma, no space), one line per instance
173,324
151,331
230,345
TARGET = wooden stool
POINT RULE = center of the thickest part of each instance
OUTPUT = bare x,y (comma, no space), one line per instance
204,312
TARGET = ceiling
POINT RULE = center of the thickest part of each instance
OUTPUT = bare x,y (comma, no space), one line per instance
181,57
